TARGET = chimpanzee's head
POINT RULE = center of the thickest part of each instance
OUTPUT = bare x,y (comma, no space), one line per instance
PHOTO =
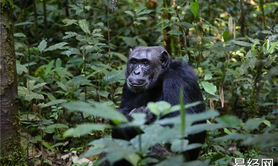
145,66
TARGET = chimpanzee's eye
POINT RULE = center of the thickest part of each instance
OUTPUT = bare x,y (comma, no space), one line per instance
146,62
132,61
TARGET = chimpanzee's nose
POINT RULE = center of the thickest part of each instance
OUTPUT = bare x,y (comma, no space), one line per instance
136,82
136,72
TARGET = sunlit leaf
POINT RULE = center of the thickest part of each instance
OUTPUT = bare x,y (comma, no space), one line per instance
58,46
42,45
68,22
209,87
129,13
194,7
226,36
20,68
159,107
84,26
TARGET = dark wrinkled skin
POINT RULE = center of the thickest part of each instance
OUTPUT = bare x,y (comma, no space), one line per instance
144,65
151,76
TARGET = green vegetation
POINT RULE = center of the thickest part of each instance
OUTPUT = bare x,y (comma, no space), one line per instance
71,57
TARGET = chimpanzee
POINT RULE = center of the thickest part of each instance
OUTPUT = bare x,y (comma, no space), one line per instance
151,75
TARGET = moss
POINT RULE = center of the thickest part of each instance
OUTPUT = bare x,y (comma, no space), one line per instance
6,5
12,154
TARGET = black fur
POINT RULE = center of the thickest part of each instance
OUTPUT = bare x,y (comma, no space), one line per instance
167,88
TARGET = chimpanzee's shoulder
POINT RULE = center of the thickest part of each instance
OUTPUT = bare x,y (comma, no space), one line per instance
180,69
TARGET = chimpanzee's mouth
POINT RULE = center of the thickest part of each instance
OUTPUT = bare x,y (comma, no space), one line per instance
136,84
136,87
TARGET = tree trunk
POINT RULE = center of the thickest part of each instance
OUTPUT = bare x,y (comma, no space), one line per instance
10,149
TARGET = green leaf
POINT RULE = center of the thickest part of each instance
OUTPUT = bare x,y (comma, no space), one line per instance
209,87
229,121
130,41
265,140
154,134
252,124
208,76
129,13
84,26
58,46
71,51
36,139
194,8
172,161
70,35
20,68
38,85
28,95
19,35
142,18
115,150
242,43
267,122
187,25
198,128
192,118
144,12
174,32
51,128
84,129
226,36
113,77
42,45
233,136
48,146
178,145
99,109
121,56
69,21
227,131
159,108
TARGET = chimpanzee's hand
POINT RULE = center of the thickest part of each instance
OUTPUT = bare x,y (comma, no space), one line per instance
150,117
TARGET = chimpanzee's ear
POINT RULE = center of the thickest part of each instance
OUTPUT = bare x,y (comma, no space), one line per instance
165,59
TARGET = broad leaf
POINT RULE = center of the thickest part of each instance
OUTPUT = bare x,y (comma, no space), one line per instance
42,45
99,109
85,129
209,87
58,46
84,26
194,7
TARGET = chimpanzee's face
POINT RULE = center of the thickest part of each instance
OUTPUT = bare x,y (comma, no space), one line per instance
144,66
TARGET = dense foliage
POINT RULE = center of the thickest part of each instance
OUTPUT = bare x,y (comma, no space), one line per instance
71,57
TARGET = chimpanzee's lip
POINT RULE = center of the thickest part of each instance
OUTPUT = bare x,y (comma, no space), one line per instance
136,85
